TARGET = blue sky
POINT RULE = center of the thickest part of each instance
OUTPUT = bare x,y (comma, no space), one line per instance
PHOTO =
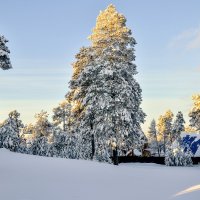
45,35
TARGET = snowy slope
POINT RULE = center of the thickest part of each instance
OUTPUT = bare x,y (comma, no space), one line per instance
26,177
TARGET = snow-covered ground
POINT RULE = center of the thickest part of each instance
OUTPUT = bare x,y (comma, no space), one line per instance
27,177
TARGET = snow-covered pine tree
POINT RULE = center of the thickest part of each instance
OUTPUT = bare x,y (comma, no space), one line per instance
10,132
161,130
42,130
165,128
72,150
63,145
178,126
112,95
175,155
4,54
195,113
59,145
61,115
168,117
75,97
27,130
42,126
152,138
40,146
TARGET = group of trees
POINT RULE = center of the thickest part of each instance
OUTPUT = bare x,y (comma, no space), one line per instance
165,132
165,136
102,111
42,138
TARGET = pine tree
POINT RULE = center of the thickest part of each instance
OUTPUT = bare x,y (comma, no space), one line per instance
72,151
10,132
58,147
64,145
165,128
112,97
61,115
39,146
178,126
42,131
42,127
4,54
195,113
15,121
152,137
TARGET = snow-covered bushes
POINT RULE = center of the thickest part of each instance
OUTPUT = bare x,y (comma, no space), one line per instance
63,145
58,146
39,146
175,156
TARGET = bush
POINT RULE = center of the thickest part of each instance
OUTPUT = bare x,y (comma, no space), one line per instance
175,156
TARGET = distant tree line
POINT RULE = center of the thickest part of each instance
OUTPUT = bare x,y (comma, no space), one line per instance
164,138
55,138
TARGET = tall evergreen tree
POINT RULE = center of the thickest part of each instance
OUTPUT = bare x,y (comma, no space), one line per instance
152,137
178,126
112,96
195,113
4,54
165,128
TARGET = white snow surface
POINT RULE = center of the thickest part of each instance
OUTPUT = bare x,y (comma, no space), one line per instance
28,177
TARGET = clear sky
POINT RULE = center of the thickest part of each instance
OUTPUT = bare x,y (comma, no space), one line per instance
45,35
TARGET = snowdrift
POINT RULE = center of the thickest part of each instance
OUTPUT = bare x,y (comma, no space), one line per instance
28,177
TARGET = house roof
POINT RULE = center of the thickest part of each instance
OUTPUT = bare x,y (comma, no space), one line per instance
192,141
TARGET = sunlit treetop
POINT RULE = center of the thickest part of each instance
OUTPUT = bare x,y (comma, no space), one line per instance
169,115
110,25
195,112
162,122
196,99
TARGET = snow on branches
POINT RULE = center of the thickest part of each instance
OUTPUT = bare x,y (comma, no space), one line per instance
4,54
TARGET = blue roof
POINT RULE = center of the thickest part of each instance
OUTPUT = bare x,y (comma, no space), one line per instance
191,141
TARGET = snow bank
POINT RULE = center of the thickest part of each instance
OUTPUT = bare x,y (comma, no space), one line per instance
27,177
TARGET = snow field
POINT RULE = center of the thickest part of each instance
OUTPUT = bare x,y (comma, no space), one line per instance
28,177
